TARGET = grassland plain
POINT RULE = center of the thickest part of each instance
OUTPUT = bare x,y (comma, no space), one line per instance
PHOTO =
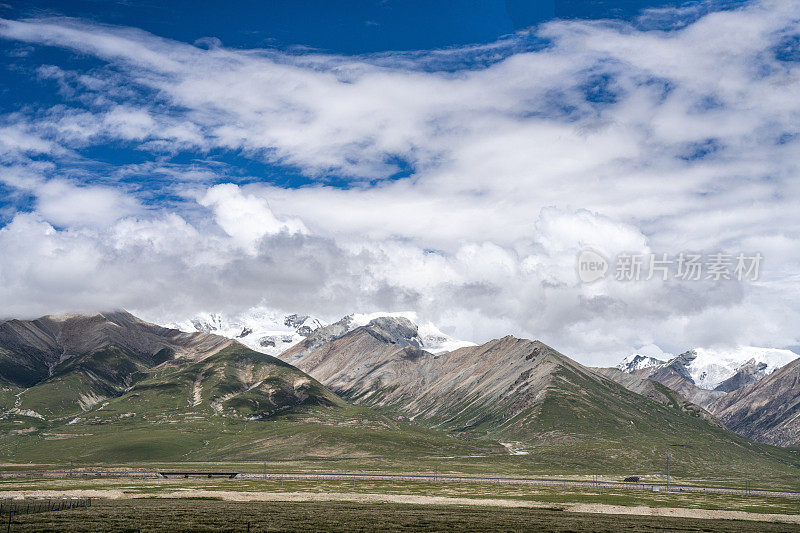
256,489
202,515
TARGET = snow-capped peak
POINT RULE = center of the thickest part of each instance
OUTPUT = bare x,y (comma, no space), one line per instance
272,332
260,329
636,362
711,367
432,339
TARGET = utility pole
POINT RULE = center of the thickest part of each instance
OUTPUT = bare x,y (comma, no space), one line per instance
667,472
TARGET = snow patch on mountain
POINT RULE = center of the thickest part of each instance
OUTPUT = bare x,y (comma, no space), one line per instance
711,367
708,368
260,329
268,331
432,339
636,362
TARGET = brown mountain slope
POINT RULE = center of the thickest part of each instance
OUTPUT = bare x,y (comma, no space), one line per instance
506,385
534,399
766,411
114,388
381,365
60,365
33,350
655,391
674,376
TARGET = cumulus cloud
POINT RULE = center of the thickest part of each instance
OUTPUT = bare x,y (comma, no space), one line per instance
246,218
65,204
458,183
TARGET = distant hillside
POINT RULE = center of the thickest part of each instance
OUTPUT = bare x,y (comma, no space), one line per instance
673,375
66,364
79,364
498,386
31,351
702,375
767,410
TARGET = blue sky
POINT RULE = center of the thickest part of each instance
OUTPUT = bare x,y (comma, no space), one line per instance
298,26
350,27
447,158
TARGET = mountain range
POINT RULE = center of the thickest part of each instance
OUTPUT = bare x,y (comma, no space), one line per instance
699,376
752,391
709,369
504,387
108,386
268,331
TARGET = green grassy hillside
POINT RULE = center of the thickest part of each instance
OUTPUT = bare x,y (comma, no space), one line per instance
235,405
585,424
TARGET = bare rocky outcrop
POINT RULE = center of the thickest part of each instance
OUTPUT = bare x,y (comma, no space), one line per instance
316,339
746,374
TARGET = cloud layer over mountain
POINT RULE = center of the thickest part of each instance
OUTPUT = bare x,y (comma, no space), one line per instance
457,183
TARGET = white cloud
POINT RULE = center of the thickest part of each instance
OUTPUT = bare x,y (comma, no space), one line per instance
15,141
246,218
614,137
65,204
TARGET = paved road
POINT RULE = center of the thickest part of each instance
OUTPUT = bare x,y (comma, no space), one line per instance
574,483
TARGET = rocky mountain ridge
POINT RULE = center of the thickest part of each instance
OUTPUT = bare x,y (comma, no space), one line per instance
112,369
767,410
506,386
703,375
271,332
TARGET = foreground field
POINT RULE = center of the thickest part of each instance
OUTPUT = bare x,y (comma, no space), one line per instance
381,491
211,515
